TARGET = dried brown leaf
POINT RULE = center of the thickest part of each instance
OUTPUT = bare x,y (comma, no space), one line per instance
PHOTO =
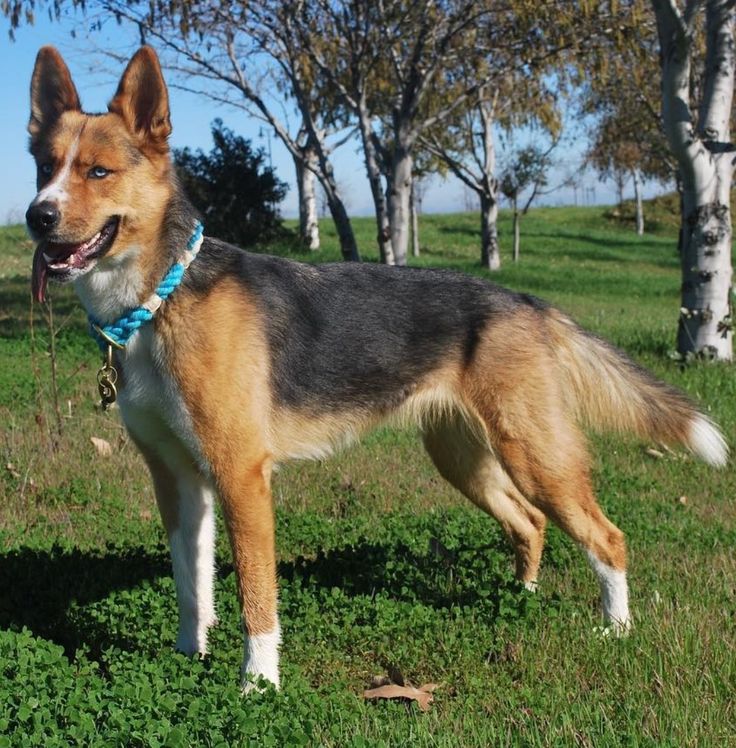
423,698
652,452
103,447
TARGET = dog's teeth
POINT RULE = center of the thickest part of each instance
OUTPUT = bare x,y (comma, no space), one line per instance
91,241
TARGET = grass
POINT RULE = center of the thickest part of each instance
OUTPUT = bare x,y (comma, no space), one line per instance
87,609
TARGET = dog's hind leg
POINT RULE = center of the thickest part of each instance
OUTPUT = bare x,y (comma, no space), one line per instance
512,385
186,502
555,476
565,494
465,460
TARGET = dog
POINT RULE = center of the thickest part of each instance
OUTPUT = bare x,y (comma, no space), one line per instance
227,363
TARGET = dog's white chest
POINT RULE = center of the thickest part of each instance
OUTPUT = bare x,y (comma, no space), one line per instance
151,404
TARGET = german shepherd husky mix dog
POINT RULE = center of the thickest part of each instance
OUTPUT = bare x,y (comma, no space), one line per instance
228,363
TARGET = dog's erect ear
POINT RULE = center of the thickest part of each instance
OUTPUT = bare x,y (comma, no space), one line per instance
52,90
142,100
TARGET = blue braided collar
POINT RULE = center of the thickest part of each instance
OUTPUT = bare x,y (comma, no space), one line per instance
119,332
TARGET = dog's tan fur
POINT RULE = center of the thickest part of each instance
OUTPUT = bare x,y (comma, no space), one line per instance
500,425
224,381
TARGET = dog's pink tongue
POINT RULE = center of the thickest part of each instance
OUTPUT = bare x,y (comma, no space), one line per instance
39,276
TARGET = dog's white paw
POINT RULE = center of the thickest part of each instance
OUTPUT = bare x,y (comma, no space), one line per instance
251,683
261,660
614,629
192,639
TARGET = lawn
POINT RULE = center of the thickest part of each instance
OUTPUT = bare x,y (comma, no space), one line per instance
383,568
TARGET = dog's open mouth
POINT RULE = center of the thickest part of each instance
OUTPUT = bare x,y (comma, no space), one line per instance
59,261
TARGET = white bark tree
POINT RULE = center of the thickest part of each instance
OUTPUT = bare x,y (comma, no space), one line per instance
701,144
625,144
470,154
415,248
305,167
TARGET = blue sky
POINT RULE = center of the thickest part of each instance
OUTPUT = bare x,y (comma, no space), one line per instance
191,118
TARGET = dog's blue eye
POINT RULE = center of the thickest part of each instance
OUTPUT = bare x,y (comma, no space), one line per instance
98,172
46,169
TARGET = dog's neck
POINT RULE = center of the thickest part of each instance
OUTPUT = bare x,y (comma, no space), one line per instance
124,281
114,285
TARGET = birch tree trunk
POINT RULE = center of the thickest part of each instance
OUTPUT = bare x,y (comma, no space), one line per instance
346,237
399,191
639,203
490,255
490,252
338,211
306,182
517,230
414,220
373,170
348,246
705,157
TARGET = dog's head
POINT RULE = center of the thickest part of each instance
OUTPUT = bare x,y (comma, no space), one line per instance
103,180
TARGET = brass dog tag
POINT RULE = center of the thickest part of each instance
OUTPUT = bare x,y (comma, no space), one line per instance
107,376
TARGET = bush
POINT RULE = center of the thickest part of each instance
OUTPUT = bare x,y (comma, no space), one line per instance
232,187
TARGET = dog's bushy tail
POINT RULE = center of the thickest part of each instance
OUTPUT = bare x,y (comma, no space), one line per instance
608,391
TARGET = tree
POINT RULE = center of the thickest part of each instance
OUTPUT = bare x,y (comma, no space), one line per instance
402,68
686,47
419,184
619,159
340,40
468,149
628,139
233,188
515,79
466,144
306,166
525,172
699,136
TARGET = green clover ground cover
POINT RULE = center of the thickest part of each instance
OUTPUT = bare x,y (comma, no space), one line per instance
382,566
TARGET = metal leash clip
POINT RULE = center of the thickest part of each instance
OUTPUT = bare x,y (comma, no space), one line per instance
107,377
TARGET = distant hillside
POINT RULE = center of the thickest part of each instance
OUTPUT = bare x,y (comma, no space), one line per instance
661,214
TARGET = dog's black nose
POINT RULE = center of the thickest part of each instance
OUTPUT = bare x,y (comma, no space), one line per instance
42,217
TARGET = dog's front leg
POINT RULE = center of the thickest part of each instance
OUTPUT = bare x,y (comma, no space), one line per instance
245,490
187,505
